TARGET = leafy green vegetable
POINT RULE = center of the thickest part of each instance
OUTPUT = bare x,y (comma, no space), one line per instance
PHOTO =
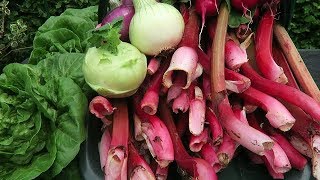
107,37
64,34
236,18
42,114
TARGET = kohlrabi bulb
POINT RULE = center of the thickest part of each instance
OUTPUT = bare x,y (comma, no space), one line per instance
115,76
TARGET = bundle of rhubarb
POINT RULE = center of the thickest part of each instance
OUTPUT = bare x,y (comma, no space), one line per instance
180,84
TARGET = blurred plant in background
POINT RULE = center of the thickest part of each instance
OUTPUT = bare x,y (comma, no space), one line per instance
20,20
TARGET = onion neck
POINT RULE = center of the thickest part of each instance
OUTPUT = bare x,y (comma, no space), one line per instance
139,4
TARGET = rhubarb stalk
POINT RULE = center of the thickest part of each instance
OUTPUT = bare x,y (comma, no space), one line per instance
101,107
153,65
215,126
218,84
315,144
208,153
196,142
190,36
297,64
236,82
235,55
196,111
116,165
263,44
196,167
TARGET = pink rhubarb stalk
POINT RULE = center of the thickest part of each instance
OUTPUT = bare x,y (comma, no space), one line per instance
184,60
263,45
235,55
196,142
296,159
226,150
181,103
315,144
150,100
196,111
138,168
104,146
156,135
162,173
101,107
244,134
196,167
206,87
208,153
301,145
277,114
284,92
271,171
236,82
215,126
190,36
153,65
116,165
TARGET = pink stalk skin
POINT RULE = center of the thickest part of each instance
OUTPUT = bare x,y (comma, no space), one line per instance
197,111
104,147
138,168
206,86
204,60
215,126
206,8
315,144
156,135
226,150
183,59
137,129
198,72
240,114
101,107
280,59
162,173
181,103
153,66
208,153
173,92
196,142
296,159
301,145
116,165
277,114
263,50
182,124
278,159
236,82
235,55
150,100
273,174
284,92
196,167
249,108
190,36
245,135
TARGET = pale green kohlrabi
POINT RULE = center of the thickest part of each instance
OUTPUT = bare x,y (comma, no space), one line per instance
115,75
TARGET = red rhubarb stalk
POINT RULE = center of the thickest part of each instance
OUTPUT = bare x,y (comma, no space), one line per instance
150,100
138,168
271,171
236,82
182,124
101,107
215,126
263,44
156,135
284,92
196,111
297,64
244,134
240,113
161,173
206,87
196,167
153,65
190,36
226,150
184,60
277,114
196,142
301,145
116,165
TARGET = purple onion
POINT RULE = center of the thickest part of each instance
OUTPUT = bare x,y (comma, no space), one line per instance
125,10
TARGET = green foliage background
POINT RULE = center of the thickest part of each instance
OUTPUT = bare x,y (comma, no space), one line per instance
305,24
21,21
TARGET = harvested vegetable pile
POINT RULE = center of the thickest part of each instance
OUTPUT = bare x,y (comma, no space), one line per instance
193,83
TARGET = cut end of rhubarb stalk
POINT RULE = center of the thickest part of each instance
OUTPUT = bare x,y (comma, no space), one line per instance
196,142
184,60
279,121
149,103
315,143
181,103
153,66
101,107
197,113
